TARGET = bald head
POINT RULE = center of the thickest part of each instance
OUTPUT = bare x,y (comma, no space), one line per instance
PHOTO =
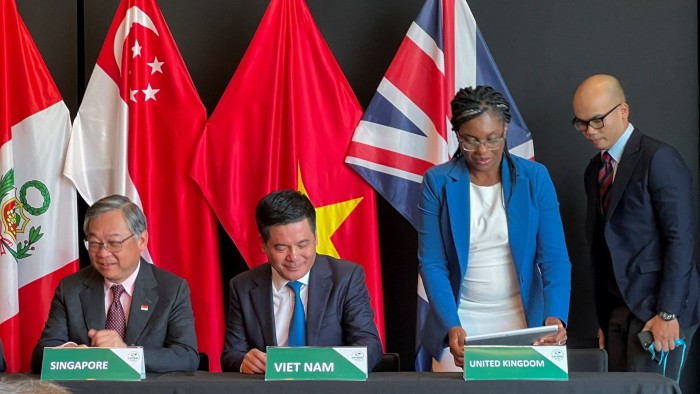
598,86
600,97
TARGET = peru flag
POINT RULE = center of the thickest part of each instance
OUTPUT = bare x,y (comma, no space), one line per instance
38,226
135,134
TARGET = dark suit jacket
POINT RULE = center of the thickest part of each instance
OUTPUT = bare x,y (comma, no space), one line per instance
166,330
338,311
647,235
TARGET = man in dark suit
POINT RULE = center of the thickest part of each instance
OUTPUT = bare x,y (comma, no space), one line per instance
641,229
333,297
121,300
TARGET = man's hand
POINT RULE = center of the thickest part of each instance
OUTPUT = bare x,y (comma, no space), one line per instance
105,338
72,344
601,339
254,361
456,337
558,339
665,333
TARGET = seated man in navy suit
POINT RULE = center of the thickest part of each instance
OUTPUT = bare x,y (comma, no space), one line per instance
121,299
335,301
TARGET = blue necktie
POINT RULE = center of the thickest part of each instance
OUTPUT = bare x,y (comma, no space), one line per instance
297,326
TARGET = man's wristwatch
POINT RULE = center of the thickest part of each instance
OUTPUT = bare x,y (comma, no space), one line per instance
667,316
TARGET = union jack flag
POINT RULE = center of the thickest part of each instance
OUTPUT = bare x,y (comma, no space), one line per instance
406,129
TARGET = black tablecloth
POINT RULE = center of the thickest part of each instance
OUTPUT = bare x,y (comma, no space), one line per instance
387,382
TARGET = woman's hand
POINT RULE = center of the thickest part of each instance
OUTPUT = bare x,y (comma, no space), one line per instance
558,339
456,337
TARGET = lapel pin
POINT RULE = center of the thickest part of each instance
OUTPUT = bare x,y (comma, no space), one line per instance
144,307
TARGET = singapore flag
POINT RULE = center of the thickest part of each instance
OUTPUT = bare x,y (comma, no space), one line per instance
135,135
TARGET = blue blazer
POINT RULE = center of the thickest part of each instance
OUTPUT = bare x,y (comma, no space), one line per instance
647,234
338,311
535,234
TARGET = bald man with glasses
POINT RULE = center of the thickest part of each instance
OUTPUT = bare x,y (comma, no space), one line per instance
641,231
120,299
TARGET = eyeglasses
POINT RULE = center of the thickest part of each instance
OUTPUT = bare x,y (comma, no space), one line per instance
472,144
110,246
596,123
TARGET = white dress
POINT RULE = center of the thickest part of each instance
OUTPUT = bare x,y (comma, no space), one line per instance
490,295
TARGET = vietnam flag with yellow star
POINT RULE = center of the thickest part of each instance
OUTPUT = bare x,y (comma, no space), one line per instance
285,122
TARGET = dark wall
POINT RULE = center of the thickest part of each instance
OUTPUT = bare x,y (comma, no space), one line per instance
53,25
544,48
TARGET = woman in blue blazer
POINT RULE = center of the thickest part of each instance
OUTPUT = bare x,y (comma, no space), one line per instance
491,243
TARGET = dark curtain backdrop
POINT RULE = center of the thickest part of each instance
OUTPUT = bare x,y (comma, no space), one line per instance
543,48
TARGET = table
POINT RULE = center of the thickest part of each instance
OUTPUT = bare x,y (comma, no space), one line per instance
386,382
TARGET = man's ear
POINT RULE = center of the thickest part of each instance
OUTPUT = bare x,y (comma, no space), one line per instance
625,111
143,240
262,243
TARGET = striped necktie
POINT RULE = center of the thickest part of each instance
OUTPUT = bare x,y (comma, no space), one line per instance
605,180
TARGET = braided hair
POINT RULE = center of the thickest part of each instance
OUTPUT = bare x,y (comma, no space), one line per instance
470,103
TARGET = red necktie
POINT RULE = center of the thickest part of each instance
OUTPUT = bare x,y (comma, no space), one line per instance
115,316
605,179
